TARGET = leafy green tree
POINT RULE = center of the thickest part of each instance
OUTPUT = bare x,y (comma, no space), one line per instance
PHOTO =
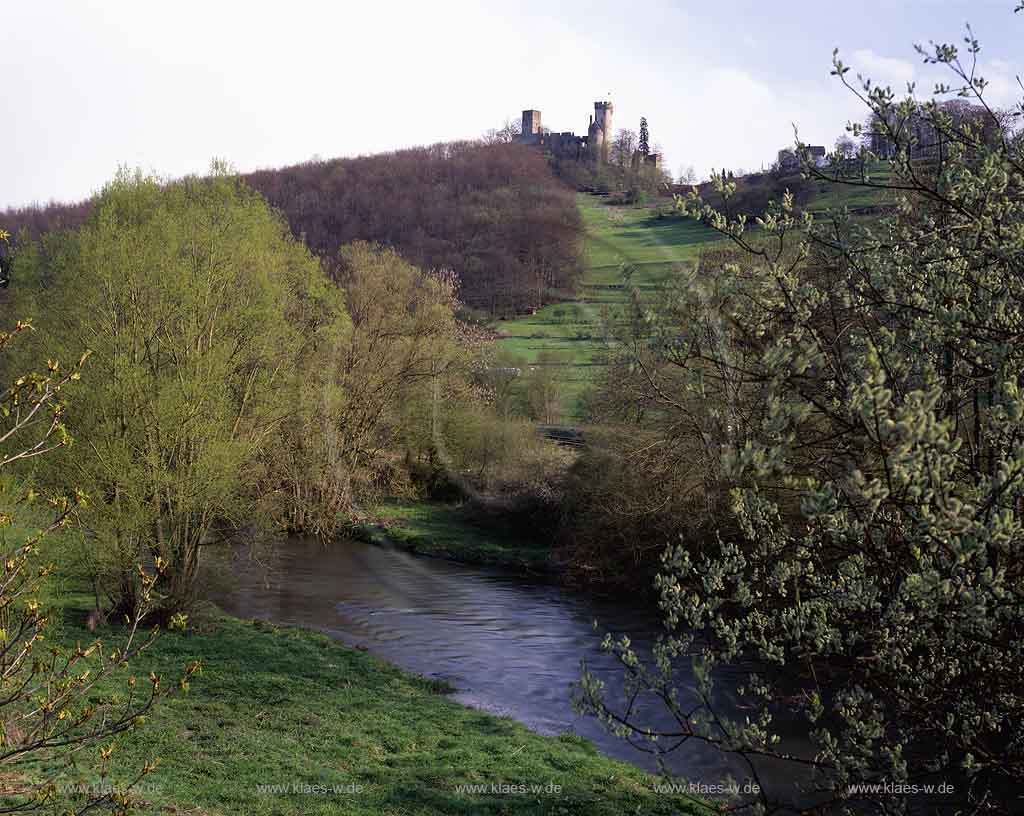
500,372
543,390
51,704
623,148
394,371
862,382
189,295
302,483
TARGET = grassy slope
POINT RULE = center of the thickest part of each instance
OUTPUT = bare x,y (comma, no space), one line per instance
447,531
834,196
283,706
614,236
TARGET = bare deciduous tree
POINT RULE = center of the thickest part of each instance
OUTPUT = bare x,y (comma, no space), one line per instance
623,148
506,134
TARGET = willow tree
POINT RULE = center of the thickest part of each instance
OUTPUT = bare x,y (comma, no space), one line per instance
54,707
197,306
872,563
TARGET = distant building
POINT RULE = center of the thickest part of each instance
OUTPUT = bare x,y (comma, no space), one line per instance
789,160
599,134
567,145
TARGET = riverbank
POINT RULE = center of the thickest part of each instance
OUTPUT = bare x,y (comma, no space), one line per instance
456,533
288,721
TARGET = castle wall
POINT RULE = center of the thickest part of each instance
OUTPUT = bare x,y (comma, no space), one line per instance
567,145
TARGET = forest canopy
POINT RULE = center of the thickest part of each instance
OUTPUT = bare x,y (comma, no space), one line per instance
493,214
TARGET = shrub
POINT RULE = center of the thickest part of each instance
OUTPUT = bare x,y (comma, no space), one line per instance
198,308
862,383
52,703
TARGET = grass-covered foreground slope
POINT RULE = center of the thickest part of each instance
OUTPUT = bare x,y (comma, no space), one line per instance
286,721
619,241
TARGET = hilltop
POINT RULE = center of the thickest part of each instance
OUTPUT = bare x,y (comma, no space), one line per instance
494,214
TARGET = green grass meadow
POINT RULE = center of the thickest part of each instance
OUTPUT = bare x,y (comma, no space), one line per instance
648,246
616,239
287,721
457,533
836,196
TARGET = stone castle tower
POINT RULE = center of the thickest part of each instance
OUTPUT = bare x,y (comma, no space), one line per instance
531,125
567,145
599,135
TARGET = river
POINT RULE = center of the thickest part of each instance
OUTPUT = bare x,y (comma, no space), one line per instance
509,646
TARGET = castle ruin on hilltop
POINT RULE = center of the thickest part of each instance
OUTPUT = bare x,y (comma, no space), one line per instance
595,146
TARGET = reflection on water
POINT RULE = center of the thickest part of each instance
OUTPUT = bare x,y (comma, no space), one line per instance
509,647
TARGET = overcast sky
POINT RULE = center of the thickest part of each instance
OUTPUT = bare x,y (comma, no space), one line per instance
92,84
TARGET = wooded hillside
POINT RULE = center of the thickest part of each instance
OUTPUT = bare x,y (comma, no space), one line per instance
494,214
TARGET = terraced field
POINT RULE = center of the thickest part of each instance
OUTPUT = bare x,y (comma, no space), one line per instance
618,242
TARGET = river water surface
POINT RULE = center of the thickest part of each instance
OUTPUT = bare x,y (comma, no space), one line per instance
509,646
